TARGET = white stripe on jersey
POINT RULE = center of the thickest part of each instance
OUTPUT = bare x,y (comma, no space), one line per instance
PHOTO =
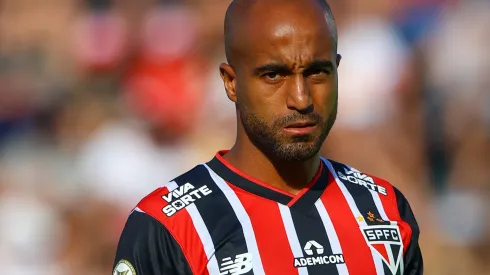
382,213
379,206
171,186
202,231
205,237
292,236
332,235
377,201
355,211
244,219
137,209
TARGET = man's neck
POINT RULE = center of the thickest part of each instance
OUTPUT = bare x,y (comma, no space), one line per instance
289,176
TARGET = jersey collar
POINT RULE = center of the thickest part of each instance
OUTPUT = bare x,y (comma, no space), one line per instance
303,200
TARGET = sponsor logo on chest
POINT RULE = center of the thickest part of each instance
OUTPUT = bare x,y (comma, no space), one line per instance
361,179
315,256
183,196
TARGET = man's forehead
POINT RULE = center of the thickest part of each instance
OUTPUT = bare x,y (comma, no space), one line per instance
278,27
287,31
270,15
287,43
291,58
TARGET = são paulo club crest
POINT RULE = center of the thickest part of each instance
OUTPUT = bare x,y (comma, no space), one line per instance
386,242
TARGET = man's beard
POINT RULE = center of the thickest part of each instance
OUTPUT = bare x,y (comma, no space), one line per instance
275,144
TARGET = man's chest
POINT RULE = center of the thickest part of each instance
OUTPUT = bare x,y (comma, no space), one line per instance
343,223
276,239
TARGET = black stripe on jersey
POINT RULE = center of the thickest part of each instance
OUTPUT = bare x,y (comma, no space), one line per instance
307,201
147,245
395,250
310,229
218,216
364,200
230,176
414,264
362,197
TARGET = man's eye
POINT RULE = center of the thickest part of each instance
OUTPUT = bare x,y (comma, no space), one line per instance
319,72
319,75
272,76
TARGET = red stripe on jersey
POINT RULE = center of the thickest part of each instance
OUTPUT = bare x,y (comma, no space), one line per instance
180,227
381,248
390,206
357,255
272,241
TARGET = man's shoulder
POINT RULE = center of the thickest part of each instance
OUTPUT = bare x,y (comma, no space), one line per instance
168,203
356,183
355,178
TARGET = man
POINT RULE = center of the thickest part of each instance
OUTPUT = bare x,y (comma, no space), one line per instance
271,205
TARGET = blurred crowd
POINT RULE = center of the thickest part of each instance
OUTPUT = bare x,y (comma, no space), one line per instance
103,101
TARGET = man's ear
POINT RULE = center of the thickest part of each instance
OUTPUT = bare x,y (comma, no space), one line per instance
339,57
229,80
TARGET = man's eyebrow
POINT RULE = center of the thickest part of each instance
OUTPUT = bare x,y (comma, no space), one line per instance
283,68
323,63
271,67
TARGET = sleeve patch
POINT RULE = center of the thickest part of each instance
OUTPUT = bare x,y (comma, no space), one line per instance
124,267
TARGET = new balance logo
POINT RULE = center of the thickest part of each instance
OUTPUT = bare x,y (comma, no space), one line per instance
314,248
361,179
182,197
241,265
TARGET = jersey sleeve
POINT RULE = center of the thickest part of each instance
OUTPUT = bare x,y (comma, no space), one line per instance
146,247
413,257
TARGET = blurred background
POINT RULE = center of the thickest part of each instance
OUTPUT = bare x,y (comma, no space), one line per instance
103,101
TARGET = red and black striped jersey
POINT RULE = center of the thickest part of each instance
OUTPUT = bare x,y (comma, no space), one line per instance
214,219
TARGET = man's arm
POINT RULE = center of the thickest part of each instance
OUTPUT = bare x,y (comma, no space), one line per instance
146,247
413,257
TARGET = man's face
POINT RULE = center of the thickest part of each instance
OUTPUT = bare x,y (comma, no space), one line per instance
286,86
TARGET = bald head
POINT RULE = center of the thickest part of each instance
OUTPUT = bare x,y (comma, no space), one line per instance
245,18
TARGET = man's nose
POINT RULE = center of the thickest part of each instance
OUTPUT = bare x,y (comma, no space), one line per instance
299,96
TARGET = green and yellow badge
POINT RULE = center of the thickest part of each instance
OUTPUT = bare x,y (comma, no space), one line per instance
124,267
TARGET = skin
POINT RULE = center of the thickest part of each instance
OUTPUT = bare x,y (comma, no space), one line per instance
282,69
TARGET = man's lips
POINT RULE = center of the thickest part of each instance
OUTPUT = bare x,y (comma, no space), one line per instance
301,124
300,128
